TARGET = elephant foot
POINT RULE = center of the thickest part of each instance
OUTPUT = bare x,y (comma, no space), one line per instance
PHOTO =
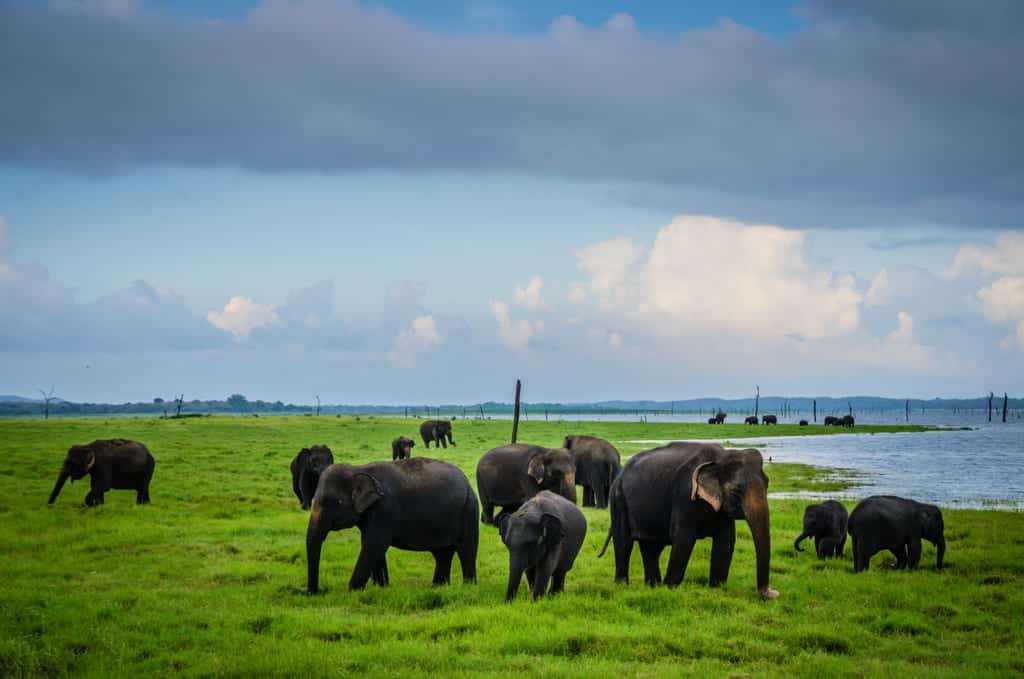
767,593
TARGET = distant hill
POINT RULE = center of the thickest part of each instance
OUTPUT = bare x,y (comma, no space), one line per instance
8,398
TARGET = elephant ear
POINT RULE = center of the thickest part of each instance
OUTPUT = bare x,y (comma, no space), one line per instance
536,469
502,521
365,491
705,484
551,530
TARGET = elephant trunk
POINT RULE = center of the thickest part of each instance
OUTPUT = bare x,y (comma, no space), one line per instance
516,566
314,541
569,487
940,546
755,509
800,538
61,480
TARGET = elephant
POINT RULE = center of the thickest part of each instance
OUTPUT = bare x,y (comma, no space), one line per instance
543,538
681,492
401,448
752,419
846,421
420,505
712,420
116,464
897,524
306,468
720,417
803,423
438,431
597,464
826,523
510,475
832,421
769,419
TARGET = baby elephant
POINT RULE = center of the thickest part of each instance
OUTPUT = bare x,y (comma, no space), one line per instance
306,469
401,448
111,464
543,538
826,523
897,524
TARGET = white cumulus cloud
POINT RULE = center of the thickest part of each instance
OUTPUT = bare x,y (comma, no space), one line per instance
1005,256
513,334
529,296
1003,300
242,315
421,335
879,292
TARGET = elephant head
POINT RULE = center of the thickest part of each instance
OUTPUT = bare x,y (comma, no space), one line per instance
735,485
529,534
317,458
933,530
343,497
77,464
553,469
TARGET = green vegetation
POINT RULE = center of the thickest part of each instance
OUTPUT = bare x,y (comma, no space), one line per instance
209,579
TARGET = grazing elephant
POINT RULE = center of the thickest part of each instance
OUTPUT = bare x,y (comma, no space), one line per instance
897,524
510,475
597,464
803,423
720,417
420,505
681,492
306,469
543,538
826,523
832,421
752,419
438,431
846,421
769,419
712,420
401,448
116,464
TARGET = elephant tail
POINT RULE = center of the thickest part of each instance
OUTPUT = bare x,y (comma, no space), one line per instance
607,541
800,538
617,509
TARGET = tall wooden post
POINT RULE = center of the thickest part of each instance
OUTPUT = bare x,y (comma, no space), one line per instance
515,412
906,407
990,397
815,410
757,401
1005,400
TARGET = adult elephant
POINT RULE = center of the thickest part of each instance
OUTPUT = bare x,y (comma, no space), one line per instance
832,421
510,475
306,468
597,464
846,421
681,492
438,431
897,524
419,504
117,464
803,423
769,419
826,523
401,448
751,419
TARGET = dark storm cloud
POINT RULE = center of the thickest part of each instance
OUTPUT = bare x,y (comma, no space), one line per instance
915,109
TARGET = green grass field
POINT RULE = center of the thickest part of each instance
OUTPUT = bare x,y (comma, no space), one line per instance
209,579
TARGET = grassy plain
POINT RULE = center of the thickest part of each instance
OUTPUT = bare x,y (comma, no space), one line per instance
209,579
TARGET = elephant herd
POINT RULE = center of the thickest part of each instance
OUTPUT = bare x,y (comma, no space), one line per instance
670,496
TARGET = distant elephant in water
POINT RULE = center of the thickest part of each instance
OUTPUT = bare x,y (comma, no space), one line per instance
401,448
116,464
832,421
597,464
826,523
769,419
420,505
438,431
543,538
306,468
846,421
752,419
897,524
803,423
510,475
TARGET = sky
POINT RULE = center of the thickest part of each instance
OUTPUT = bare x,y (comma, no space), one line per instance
398,202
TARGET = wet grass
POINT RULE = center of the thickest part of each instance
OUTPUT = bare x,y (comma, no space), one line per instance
209,579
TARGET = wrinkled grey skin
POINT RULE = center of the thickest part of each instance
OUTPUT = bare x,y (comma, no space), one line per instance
897,524
508,476
116,464
826,523
597,463
682,492
306,468
543,538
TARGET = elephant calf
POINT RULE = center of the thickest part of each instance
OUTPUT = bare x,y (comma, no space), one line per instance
306,469
111,464
826,523
401,448
897,524
543,538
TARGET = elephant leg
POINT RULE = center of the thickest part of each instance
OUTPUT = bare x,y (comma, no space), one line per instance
486,511
827,548
679,558
531,573
467,549
817,545
369,557
651,553
623,551
444,444
722,545
588,496
557,582
863,550
841,547
443,566
601,494
901,557
914,551
380,572
544,570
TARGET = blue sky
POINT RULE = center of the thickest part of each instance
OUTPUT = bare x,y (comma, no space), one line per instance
411,202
